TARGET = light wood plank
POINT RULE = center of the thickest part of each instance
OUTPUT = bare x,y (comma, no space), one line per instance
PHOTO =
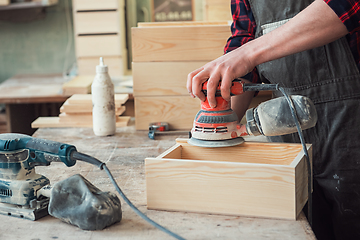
190,23
162,78
217,10
179,43
54,122
78,85
177,111
83,5
85,116
87,99
96,22
98,45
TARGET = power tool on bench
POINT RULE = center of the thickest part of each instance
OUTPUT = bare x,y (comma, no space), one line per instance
19,184
219,126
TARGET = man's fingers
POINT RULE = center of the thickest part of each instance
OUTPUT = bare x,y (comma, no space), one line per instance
212,85
197,84
226,84
189,82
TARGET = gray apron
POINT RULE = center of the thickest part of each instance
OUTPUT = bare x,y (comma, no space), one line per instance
329,76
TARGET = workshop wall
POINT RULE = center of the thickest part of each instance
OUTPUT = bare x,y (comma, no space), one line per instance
36,41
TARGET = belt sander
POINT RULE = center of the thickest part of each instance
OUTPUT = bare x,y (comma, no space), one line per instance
220,127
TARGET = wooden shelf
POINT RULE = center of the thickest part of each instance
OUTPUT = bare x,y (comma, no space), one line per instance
24,5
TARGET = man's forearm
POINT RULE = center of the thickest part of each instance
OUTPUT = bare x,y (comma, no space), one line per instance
315,26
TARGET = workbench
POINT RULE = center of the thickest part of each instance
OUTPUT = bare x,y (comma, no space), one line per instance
29,96
124,155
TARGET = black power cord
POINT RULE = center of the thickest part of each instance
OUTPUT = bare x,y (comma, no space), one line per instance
302,140
89,159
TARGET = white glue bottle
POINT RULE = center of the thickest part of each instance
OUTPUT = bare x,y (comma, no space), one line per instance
102,91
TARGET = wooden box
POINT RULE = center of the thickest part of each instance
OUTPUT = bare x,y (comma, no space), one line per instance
252,179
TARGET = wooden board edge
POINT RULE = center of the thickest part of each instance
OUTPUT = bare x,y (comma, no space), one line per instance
54,122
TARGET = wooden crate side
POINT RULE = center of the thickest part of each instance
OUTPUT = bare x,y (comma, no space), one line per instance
178,111
248,152
182,43
301,180
116,65
220,188
98,45
162,78
172,152
83,5
96,22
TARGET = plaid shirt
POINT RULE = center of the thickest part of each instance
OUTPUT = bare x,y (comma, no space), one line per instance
243,27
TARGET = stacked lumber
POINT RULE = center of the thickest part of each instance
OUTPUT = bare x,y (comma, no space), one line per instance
163,55
78,85
77,112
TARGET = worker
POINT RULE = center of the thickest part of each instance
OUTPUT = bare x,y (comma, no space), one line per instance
310,48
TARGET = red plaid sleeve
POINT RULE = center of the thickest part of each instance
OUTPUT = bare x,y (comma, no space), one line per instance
242,30
348,12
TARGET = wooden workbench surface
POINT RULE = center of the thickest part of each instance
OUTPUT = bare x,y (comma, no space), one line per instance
124,155
33,89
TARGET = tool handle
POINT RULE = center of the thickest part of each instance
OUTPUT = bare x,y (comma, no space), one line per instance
41,151
259,87
238,87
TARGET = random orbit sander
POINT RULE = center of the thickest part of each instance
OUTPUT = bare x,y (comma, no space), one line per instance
219,126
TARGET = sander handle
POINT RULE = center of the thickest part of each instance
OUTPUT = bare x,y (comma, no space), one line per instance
41,152
239,86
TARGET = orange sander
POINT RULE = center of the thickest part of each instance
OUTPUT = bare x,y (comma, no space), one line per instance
219,126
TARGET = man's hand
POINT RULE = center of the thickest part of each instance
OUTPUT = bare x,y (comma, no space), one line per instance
225,69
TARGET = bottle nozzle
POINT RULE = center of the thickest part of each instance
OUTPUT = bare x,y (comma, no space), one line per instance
101,68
